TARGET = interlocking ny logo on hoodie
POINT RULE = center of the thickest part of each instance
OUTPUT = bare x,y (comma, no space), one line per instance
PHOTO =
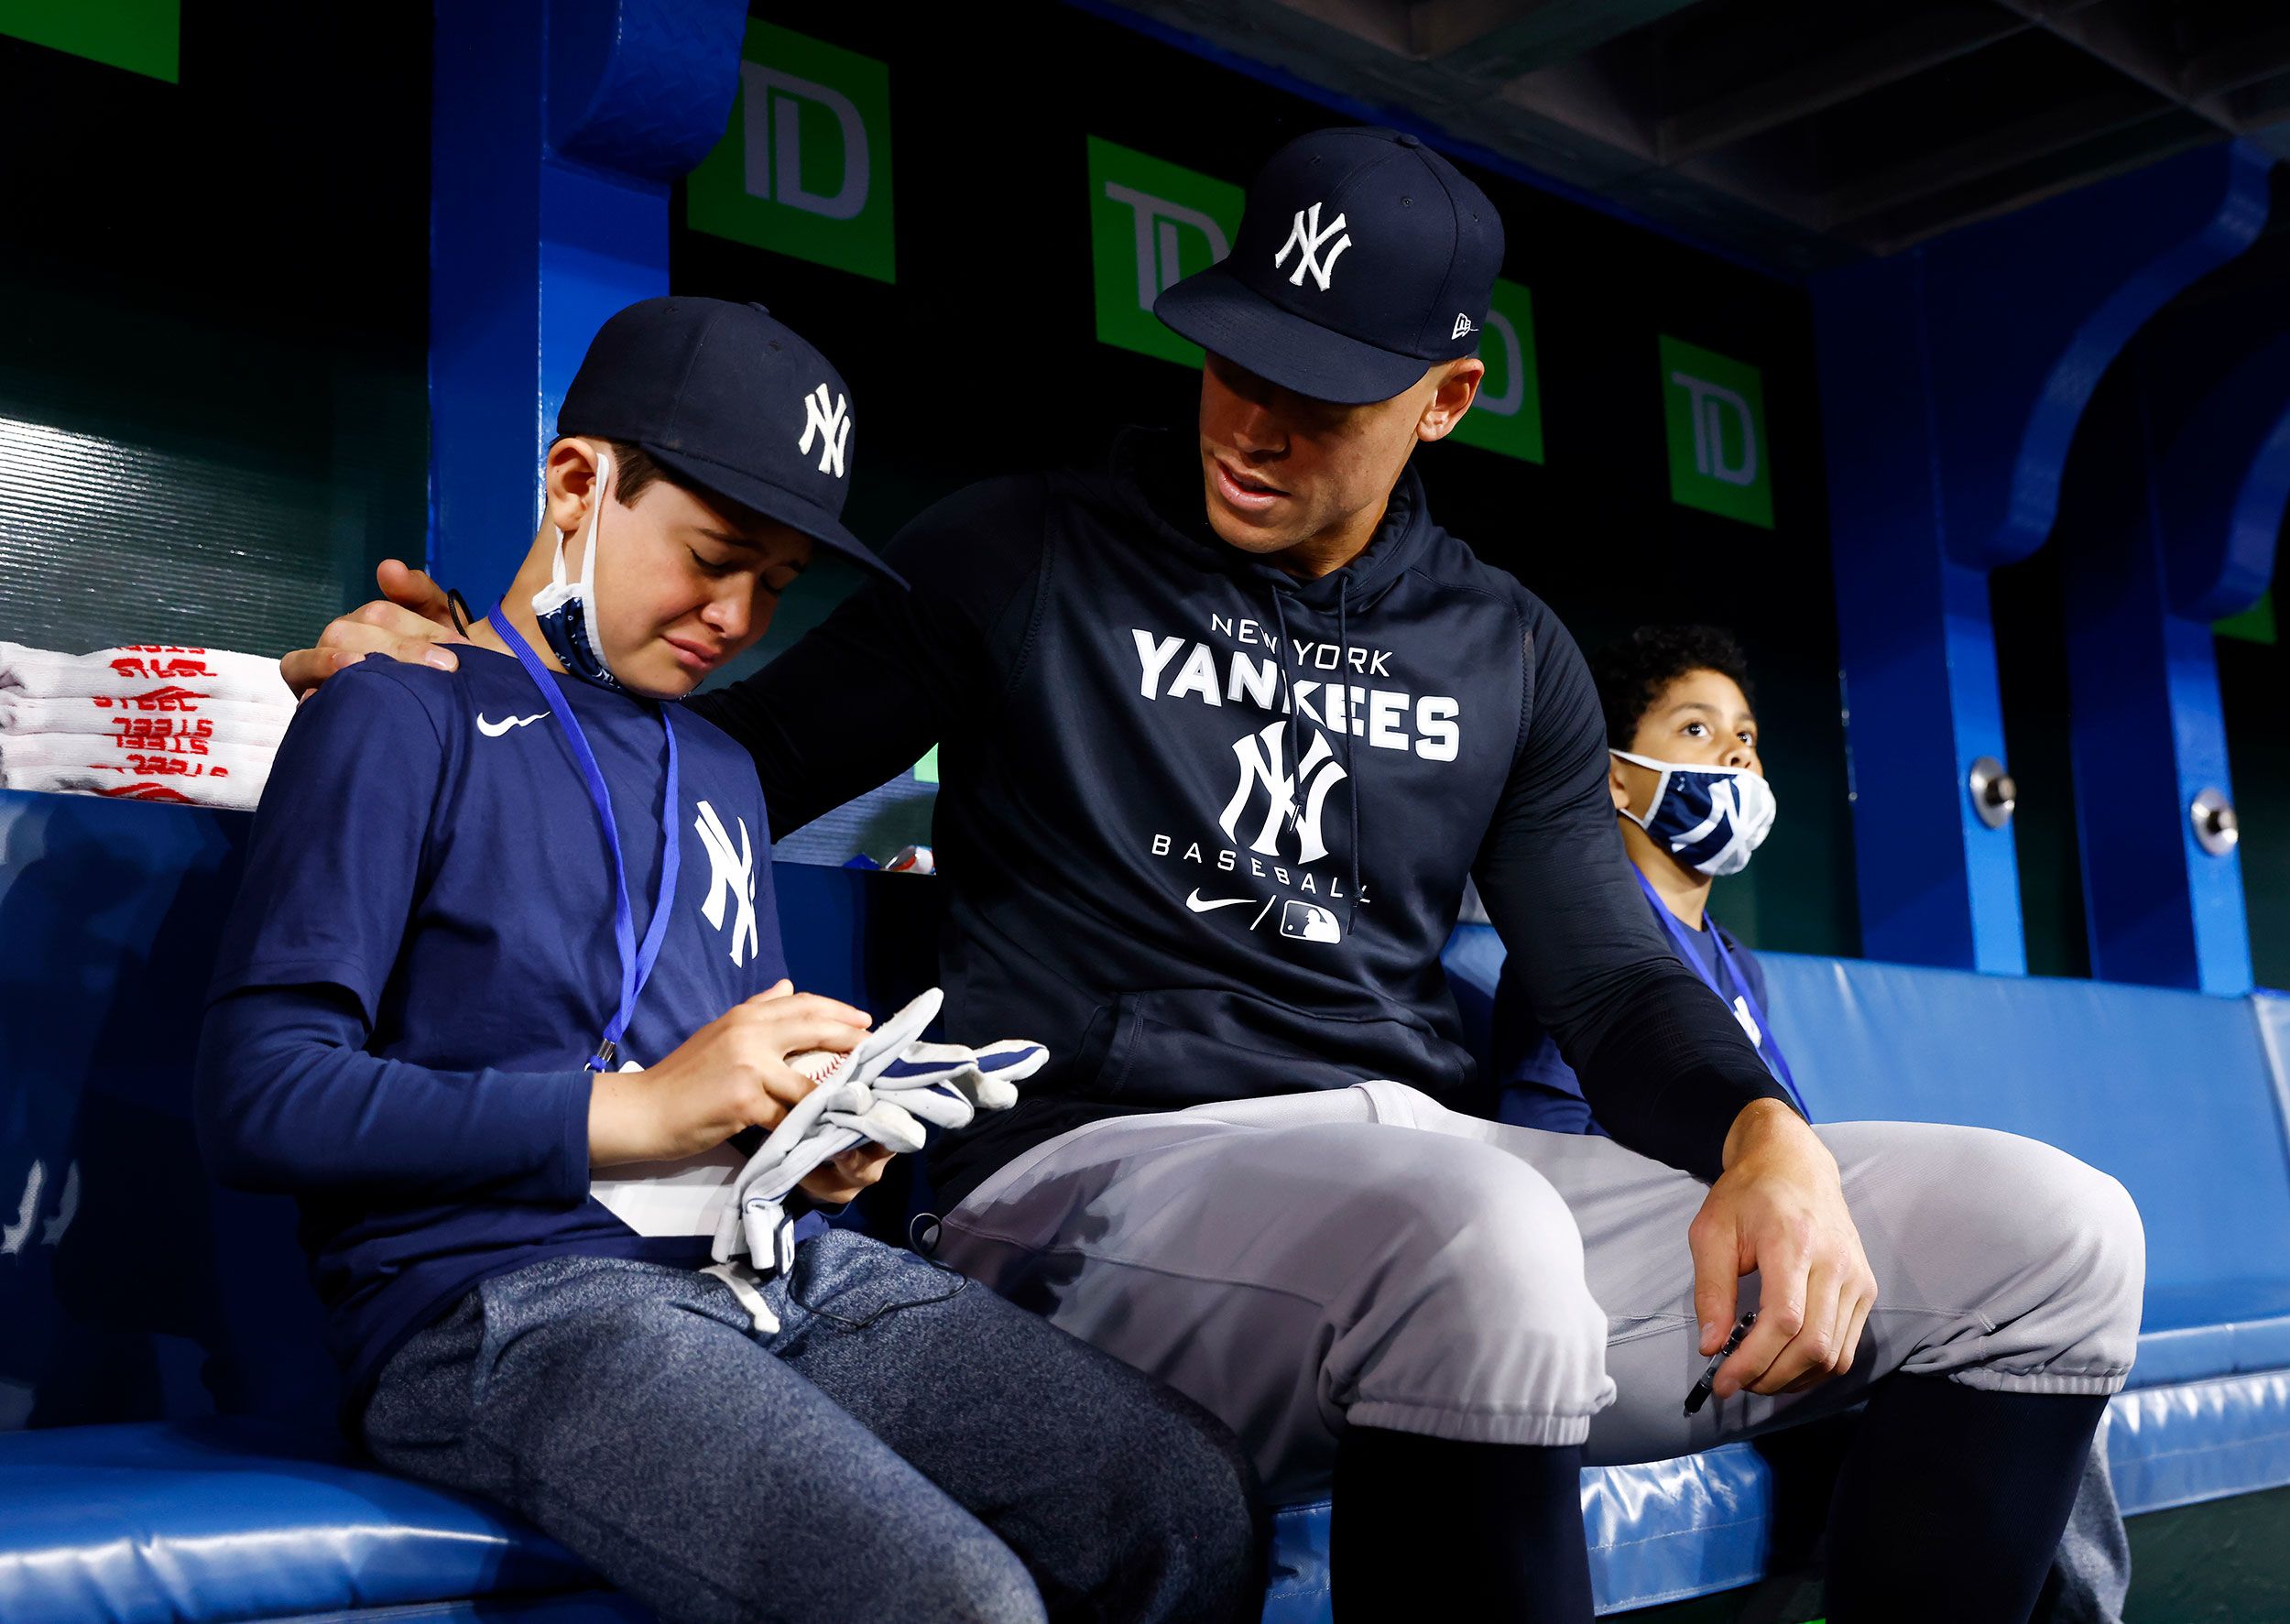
1287,769
1317,773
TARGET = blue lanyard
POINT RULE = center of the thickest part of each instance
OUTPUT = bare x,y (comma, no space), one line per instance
1769,1048
636,962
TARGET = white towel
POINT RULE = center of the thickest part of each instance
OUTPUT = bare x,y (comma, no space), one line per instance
160,713
178,769
140,668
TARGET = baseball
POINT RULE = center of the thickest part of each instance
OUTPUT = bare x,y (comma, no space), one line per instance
813,1064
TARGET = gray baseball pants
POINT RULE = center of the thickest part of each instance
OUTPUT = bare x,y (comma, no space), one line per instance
1366,1256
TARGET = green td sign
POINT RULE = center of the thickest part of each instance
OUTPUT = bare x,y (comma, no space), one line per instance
804,167
1151,224
141,36
1508,414
2253,624
1714,407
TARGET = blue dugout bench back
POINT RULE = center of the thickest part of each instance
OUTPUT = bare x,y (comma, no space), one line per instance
166,1439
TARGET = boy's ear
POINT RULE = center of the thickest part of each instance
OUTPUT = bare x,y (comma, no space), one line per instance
570,476
1614,785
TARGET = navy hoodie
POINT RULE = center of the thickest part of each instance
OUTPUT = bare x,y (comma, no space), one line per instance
1205,826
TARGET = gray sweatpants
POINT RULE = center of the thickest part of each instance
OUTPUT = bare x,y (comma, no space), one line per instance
905,1445
1366,1256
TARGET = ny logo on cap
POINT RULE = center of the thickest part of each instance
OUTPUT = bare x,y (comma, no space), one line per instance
831,424
1307,236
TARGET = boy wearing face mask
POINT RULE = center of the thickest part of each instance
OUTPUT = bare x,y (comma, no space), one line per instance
537,873
1692,803
1690,791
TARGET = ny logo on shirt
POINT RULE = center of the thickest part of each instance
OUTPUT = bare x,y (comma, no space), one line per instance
1260,755
730,876
15,1237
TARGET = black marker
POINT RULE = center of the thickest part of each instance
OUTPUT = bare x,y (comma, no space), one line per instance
1707,1384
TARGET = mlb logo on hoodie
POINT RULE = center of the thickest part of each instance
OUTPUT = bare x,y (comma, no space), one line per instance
1308,922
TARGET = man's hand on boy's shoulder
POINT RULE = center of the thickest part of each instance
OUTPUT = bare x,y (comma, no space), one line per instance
410,622
730,1074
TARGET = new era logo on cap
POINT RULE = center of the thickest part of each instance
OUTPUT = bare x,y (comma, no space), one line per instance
1363,259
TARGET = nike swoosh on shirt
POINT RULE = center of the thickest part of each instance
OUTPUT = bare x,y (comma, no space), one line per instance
1200,904
495,729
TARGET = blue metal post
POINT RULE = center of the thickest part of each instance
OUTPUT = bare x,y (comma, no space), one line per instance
557,128
1952,380
2199,487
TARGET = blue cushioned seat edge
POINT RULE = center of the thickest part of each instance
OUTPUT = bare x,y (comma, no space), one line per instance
236,1520
2199,1441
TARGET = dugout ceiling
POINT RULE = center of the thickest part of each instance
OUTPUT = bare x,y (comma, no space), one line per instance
1801,132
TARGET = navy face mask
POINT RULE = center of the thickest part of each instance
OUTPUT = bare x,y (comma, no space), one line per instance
567,613
1708,818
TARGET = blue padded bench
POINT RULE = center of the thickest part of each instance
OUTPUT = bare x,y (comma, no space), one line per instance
166,1446
2182,1097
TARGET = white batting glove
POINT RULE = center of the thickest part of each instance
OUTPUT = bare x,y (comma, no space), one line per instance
882,1092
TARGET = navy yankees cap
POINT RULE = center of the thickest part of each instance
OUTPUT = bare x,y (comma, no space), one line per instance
1363,258
731,398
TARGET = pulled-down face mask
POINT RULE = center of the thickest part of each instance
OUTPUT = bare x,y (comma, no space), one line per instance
567,611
